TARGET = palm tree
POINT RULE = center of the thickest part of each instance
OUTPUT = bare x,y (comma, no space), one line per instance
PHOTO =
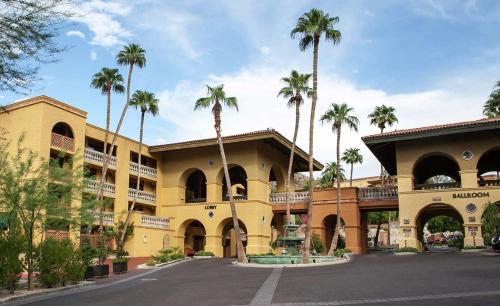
147,103
329,174
352,156
339,115
107,80
491,108
309,29
382,117
217,97
131,55
297,84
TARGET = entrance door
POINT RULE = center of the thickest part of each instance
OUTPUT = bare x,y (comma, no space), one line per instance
197,243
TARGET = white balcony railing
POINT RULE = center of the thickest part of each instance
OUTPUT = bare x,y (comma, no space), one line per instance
378,193
107,217
154,221
62,142
93,185
145,170
293,197
142,195
98,157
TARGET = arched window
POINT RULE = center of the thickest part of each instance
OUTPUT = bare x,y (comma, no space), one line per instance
436,172
196,187
62,137
238,177
276,180
488,168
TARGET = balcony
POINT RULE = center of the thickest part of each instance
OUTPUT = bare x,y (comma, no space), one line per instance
98,157
437,186
293,197
107,217
155,222
142,196
378,193
489,183
61,142
92,186
145,170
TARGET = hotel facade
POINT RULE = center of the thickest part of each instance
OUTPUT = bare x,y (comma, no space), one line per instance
183,202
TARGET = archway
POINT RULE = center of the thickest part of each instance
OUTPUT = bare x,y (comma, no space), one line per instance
488,168
277,180
63,129
238,177
436,171
228,235
196,187
194,236
439,224
328,226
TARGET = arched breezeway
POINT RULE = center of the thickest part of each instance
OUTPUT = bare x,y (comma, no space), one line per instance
328,226
226,231
194,234
436,171
239,184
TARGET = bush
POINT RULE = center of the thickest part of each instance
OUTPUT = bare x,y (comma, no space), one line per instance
59,262
204,253
167,255
456,243
406,249
150,262
10,264
341,252
317,244
341,243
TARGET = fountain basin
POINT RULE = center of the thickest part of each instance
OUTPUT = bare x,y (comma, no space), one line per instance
287,259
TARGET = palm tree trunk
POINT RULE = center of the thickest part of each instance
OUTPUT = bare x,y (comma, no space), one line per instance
389,229
100,189
335,238
382,178
290,163
138,185
242,258
104,151
375,239
350,180
307,238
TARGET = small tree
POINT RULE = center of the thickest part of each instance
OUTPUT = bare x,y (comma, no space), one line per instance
377,217
11,245
490,221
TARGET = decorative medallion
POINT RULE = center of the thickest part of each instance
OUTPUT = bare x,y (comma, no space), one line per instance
211,214
471,208
467,154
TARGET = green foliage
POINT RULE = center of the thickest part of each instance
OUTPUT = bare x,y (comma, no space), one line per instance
458,242
378,217
59,262
117,233
329,175
10,264
341,251
297,85
406,249
150,262
341,243
383,116
442,224
490,221
317,244
167,255
88,253
204,253
298,220
492,106
57,224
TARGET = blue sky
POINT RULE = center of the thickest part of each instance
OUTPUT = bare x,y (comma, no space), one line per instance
435,61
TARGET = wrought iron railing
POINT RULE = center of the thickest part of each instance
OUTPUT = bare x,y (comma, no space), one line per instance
378,193
62,142
293,197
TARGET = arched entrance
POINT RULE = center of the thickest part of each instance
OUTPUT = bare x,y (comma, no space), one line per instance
328,226
439,224
194,236
229,236
436,171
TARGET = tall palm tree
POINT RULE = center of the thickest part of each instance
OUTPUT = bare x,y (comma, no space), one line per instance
338,115
147,103
352,156
107,80
491,108
382,117
131,55
297,84
329,174
216,96
309,29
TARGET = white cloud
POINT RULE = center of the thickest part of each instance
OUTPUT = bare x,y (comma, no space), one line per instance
76,34
93,55
101,19
265,50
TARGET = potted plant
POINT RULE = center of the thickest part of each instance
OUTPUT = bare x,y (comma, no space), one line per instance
88,255
102,251
120,263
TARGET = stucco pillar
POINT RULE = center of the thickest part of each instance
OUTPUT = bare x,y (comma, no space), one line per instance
214,192
468,178
408,237
473,235
405,182
257,244
353,240
258,190
213,243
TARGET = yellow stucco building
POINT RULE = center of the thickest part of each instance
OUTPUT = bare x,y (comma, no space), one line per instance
183,196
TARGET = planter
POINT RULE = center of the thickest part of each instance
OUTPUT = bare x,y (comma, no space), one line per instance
89,273
120,267
101,271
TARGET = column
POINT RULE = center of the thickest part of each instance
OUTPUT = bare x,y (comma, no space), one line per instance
213,243
468,178
257,244
214,192
473,235
405,182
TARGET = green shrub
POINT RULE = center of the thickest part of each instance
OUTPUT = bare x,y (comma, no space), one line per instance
341,252
177,256
341,243
456,243
167,255
10,264
59,262
406,249
317,244
204,253
150,262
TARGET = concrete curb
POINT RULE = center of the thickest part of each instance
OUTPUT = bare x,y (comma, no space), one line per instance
146,267
309,265
404,253
46,292
473,250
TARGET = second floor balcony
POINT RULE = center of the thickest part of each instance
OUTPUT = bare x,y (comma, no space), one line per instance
107,217
92,186
145,170
98,157
155,222
61,142
378,193
142,196
293,197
